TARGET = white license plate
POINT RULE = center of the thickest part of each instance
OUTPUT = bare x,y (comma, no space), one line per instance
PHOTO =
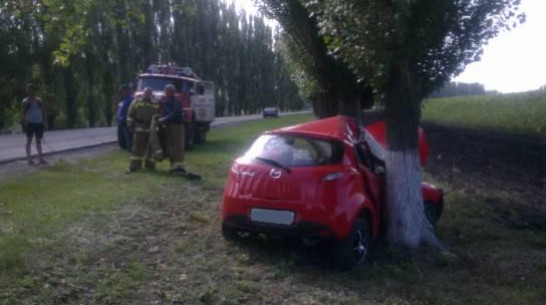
272,216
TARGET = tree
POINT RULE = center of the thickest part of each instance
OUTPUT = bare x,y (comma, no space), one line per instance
79,52
334,86
458,89
406,49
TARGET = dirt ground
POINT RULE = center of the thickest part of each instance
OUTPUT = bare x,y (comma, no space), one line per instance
465,157
507,170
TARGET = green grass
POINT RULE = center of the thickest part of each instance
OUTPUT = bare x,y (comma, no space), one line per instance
87,233
36,208
517,113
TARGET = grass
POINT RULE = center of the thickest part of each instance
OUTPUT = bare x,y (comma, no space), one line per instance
87,233
517,113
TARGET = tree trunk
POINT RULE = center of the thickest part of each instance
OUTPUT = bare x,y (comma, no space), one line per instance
70,92
406,222
91,111
326,103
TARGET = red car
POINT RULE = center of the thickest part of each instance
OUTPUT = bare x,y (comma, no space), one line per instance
321,180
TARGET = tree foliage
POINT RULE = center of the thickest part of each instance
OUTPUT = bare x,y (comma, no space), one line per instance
459,89
327,81
441,37
79,52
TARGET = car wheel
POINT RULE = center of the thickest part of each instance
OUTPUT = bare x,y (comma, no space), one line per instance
432,212
353,250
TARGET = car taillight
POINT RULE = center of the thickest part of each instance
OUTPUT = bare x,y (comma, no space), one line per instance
333,176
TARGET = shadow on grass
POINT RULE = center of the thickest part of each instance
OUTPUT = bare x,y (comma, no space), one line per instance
315,262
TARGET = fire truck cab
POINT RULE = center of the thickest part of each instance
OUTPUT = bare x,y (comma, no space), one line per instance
195,95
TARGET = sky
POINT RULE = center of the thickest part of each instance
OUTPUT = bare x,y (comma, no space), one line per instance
514,61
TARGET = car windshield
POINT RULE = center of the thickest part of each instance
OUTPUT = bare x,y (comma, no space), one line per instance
295,151
158,84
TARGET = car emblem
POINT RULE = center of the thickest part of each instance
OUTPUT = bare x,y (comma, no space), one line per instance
247,174
275,173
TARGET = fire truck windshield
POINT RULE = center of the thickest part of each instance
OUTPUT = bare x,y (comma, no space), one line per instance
158,84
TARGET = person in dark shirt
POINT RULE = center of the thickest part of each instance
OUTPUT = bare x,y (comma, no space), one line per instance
33,119
121,116
171,117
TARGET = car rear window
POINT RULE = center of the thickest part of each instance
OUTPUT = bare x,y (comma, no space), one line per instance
296,151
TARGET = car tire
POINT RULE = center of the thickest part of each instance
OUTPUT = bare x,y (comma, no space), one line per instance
352,251
433,212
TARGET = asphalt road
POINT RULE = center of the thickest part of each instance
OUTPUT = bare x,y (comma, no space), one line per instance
12,146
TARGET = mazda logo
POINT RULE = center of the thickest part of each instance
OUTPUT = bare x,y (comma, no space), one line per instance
275,173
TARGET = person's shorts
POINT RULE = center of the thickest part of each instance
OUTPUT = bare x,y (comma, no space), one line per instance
34,129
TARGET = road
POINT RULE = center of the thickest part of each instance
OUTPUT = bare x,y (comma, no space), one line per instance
12,146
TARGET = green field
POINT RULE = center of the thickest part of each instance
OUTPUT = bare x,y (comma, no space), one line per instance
87,233
517,113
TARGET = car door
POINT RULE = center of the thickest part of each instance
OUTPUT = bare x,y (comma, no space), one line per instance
373,183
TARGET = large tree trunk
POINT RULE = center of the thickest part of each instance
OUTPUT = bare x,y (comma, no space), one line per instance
326,103
406,222
91,108
70,92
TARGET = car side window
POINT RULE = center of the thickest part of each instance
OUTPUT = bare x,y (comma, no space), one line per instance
304,152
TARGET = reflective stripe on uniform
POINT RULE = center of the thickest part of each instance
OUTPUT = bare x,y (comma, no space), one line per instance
146,104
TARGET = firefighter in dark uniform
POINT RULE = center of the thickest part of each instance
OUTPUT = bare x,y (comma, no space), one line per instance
171,117
146,147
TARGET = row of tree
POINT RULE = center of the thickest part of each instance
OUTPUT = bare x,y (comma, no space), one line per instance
79,52
459,89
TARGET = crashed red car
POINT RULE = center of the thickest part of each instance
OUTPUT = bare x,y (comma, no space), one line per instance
322,180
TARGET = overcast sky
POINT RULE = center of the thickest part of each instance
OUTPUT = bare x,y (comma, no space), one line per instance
512,62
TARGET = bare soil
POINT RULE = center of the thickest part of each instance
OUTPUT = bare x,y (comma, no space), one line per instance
507,170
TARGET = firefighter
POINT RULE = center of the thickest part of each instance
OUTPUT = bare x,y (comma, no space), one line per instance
140,117
171,117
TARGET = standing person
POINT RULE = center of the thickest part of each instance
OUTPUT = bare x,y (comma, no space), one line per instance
171,117
139,121
121,116
33,119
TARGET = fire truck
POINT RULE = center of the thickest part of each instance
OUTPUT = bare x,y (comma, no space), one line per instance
195,95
